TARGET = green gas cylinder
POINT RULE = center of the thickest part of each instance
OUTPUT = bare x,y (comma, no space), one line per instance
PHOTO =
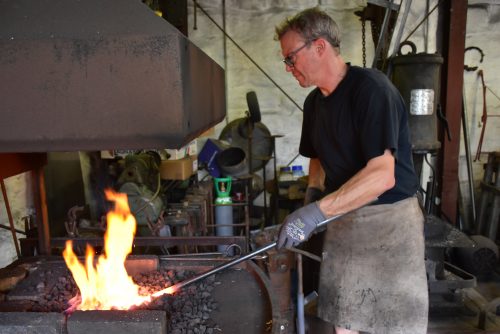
223,211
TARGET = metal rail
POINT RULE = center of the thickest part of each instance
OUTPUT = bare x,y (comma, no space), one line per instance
229,264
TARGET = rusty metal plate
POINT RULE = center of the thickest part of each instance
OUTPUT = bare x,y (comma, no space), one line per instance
246,301
101,74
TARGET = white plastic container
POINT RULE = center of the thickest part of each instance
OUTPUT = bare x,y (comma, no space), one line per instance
297,172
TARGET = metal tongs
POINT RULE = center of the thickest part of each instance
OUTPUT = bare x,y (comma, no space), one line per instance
173,288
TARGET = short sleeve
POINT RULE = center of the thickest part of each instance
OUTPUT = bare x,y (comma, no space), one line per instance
306,147
379,121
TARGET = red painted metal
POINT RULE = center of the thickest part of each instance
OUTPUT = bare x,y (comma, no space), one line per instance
16,163
452,82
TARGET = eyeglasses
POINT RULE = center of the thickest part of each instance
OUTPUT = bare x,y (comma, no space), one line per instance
288,60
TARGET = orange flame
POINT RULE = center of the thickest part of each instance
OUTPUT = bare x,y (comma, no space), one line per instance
107,285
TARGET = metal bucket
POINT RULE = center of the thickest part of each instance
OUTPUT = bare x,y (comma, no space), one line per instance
249,136
232,161
418,77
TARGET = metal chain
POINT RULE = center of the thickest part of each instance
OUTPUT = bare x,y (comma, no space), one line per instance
363,40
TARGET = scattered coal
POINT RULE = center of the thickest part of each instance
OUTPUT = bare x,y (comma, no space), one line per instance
188,310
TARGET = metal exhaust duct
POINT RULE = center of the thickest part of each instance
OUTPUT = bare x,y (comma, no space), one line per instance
101,74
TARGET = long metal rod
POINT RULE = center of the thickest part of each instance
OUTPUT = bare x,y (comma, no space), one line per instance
42,223
422,21
402,25
223,266
234,262
381,41
397,41
224,50
10,229
300,298
468,158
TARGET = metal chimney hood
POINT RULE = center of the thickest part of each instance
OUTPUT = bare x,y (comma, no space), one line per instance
84,75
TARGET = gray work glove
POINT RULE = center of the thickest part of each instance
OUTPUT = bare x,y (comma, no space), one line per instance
299,225
313,194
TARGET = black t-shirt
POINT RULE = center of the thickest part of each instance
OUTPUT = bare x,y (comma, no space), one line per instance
358,121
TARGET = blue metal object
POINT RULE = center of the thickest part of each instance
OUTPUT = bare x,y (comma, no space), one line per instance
207,157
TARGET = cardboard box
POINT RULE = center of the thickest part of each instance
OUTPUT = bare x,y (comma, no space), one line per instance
180,169
189,149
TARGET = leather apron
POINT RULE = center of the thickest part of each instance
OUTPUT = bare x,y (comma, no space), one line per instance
373,276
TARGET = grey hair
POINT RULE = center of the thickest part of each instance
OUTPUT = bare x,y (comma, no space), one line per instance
311,24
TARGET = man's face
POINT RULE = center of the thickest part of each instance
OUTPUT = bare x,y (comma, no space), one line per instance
297,55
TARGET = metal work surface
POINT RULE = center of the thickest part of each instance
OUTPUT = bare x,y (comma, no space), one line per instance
95,75
440,234
243,305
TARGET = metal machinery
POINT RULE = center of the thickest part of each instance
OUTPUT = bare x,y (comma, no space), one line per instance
417,76
140,180
252,146
445,280
250,135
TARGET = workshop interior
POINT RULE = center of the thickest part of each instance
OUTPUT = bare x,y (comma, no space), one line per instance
149,154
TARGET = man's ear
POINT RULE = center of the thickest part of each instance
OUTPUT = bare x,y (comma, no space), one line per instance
320,45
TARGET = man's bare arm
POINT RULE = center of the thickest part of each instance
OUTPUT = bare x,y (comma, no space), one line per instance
366,186
316,174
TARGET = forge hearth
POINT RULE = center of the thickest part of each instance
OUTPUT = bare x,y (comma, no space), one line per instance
119,322
50,287
230,301
84,322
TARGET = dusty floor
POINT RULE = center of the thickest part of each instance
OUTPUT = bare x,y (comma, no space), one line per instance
480,314
464,318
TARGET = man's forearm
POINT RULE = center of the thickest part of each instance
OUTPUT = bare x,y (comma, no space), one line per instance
316,177
364,187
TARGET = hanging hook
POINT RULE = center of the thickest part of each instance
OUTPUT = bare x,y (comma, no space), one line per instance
473,68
